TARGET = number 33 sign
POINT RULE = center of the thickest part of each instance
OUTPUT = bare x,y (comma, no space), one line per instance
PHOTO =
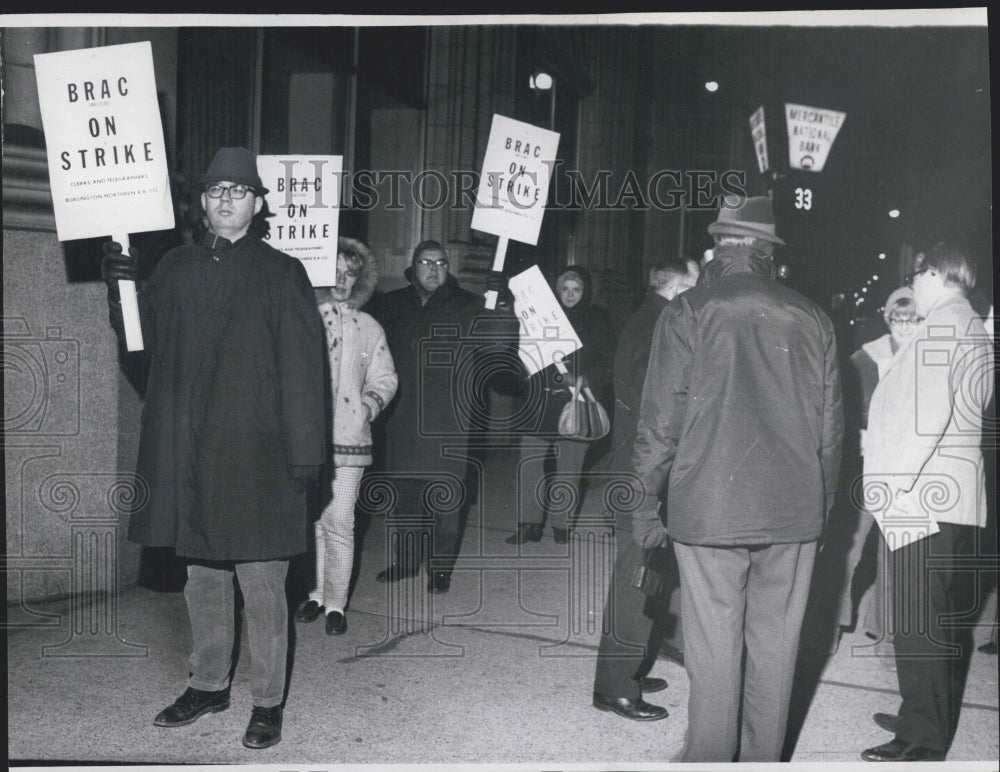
803,198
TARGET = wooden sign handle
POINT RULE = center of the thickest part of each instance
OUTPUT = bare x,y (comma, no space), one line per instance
130,304
498,259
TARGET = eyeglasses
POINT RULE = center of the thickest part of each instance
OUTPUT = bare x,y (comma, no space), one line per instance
908,279
903,322
426,261
236,192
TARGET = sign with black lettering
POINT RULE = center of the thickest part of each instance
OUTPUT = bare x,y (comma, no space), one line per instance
758,131
104,140
514,185
546,334
304,196
811,132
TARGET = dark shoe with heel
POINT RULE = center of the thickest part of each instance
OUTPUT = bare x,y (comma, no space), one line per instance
887,721
649,685
191,705
526,532
264,729
308,612
900,750
439,583
637,709
336,623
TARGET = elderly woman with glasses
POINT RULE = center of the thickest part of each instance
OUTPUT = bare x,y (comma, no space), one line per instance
867,365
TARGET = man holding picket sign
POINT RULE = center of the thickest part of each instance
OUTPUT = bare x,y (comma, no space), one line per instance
232,433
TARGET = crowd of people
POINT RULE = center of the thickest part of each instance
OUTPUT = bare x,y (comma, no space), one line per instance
728,426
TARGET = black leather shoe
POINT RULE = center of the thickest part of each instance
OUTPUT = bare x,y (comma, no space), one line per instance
394,572
887,721
439,583
652,684
264,729
900,750
637,710
190,705
308,611
336,623
561,535
526,532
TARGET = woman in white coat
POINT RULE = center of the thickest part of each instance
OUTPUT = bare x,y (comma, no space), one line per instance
362,381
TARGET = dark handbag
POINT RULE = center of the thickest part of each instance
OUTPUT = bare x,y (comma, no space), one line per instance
583,417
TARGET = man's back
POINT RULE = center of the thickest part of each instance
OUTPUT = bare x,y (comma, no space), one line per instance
743,386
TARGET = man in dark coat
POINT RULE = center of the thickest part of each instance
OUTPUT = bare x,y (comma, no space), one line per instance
232,433
442,340
741,408
627,650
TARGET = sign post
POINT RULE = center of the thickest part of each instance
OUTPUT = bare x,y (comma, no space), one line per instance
514,185
304,196
106,156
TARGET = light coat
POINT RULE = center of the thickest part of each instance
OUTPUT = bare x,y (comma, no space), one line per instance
925,420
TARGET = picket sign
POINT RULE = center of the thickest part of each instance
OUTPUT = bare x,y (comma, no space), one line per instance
105,150
513,186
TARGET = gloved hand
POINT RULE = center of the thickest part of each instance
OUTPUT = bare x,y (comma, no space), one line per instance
497,282
116,266
301,477
647,529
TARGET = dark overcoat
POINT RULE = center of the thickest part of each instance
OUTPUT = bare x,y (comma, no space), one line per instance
234,401
444,351
742,408
631,359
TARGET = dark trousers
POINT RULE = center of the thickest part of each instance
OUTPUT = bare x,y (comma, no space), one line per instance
415,533
633,622
928,590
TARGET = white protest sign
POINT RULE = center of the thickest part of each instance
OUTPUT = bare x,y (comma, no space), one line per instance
546,334
811,132
759,134
514,185
104,141
304,195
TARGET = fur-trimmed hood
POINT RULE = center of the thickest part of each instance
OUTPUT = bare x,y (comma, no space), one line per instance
367,279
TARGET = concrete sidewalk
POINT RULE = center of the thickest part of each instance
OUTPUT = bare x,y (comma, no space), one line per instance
497,671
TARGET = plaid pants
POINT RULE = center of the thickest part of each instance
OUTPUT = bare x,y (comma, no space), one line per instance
335,541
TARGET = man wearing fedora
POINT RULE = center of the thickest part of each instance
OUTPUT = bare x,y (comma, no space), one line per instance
232,433
741,416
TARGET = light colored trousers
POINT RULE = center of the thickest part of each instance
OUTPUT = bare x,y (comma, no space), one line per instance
211,601
730,596
335,541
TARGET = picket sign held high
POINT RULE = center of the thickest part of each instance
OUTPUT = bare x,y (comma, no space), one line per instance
130,304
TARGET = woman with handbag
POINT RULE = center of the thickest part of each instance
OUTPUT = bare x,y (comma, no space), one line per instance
569,417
